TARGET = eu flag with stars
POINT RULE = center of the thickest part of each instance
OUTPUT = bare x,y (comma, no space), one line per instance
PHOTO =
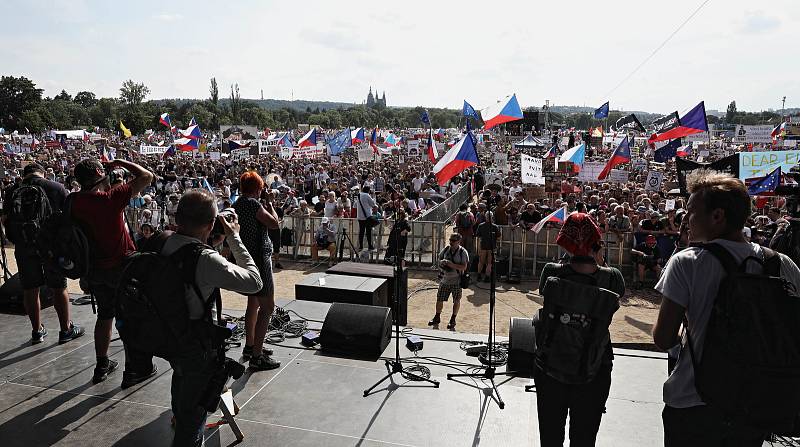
601,112
469,111
425,118
340,142
763,185
668,151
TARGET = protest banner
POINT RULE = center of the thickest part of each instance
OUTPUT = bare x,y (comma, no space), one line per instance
240,154
654,179
335,159
412,144
670,205
365,154
214,155
501,162
591,170
151,150
759,164
618,176
754,134
531,170
286,153
400,159
638,164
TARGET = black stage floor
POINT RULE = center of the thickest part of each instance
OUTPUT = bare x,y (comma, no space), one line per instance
47,398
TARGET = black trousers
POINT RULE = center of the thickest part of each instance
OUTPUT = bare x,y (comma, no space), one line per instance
363,229
706,427
584,403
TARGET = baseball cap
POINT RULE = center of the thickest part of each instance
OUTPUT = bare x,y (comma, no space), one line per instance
325,220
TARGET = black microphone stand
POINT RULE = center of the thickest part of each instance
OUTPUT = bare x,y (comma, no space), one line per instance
396,366
488,359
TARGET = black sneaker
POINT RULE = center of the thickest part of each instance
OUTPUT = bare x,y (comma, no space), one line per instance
38,336
101,373
131,378
452,324
264,363
436,320
71,334
247,352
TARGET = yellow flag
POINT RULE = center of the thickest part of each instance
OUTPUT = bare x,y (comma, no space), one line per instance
125,130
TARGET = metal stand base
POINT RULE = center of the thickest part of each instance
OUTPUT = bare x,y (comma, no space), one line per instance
396,367
488,374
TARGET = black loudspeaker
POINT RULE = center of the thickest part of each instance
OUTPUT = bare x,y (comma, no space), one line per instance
379,271
11,294
356,329
521,346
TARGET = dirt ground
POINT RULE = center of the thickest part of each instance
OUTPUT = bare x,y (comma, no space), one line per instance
632,324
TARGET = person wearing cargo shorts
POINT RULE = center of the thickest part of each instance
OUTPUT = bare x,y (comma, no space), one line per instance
453,261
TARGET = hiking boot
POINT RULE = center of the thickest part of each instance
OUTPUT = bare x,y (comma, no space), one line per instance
436,320
70,334
264,363
452,324
38,336
131,378
101,372
247,352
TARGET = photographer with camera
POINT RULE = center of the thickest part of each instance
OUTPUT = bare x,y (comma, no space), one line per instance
201,371
453,262
99,209
255,220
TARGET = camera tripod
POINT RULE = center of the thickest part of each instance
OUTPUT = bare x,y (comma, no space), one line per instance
488,360
395,366
342,237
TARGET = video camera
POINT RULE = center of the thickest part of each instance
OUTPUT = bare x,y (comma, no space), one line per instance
229,214
791,193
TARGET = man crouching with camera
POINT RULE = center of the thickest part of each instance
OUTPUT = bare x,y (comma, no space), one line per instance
198,374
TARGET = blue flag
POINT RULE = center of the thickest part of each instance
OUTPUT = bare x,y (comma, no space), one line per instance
765,184
340,142
668,151
601,112
469,111
425,118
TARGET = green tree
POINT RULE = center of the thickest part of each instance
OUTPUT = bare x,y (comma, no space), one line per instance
31,119
133,93
85,99
105,113
730,115
236,104
16,96
214,91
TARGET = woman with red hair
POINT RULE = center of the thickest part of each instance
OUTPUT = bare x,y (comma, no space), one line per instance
254,220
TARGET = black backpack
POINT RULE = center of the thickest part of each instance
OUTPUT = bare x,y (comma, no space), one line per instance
572,336
28,208
152,312
63,245
750,368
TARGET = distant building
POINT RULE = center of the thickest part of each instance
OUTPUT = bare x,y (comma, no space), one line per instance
374,101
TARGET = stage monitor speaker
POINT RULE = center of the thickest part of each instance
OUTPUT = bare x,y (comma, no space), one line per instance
521,346
356,329
11,294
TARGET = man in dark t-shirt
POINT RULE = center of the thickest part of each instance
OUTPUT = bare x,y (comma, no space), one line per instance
99,208
488,236
647,256
33,274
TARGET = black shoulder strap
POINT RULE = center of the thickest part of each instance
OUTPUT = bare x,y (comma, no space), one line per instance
772,262
723,256
187,257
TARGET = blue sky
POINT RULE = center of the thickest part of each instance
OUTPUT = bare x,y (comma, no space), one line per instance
419,52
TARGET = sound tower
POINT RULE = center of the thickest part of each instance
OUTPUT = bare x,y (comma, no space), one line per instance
356,329
521,346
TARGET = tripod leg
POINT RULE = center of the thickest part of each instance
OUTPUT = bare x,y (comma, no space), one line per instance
369,390
496,393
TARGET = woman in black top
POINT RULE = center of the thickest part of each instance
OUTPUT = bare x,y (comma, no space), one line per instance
398,237
254,220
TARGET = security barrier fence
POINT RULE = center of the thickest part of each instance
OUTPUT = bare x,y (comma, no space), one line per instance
443,211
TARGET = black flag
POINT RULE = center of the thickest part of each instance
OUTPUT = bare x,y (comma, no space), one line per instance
729,164
629,122
666,122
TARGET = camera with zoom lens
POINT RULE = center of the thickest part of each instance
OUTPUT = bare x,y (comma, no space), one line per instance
229,368
229,214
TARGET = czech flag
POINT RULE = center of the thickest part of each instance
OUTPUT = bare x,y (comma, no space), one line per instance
169,152
164,119
622,154
286,141
106,156
458,158
694,121
433,154
373,140
193,122
186,144
684,151
392,140
551,153
779,131
558,216
356,136
504,111
236,145
192,132
309,139
574,156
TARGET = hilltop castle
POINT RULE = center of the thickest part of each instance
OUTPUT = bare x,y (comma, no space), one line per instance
374,101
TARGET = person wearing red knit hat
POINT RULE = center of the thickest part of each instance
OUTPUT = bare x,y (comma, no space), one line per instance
563,387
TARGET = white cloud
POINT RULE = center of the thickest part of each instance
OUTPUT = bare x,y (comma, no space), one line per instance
166,17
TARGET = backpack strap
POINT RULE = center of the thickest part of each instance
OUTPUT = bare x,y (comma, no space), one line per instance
772,262
723,256
187,257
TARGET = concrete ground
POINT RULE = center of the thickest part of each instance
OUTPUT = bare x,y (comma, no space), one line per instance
632,324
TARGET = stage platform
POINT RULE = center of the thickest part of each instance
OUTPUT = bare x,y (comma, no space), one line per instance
47,398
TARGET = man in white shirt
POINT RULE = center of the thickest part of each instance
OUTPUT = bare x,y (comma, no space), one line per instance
717,210
364,209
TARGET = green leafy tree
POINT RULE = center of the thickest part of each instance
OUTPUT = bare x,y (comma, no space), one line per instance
85,99
730,115
236,104
63,96
133,93
17,95
214,92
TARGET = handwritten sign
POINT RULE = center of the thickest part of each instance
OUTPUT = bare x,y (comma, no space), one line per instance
759,164
654,179
531,170
365,154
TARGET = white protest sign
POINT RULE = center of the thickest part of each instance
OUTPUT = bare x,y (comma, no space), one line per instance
413,152
400,159
412,144
151,150
753,134
531,170
654,179
591,170
365,154
240,154
214,155
501,162
670,205
701,137
618,176
335,159
286,153
639,164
